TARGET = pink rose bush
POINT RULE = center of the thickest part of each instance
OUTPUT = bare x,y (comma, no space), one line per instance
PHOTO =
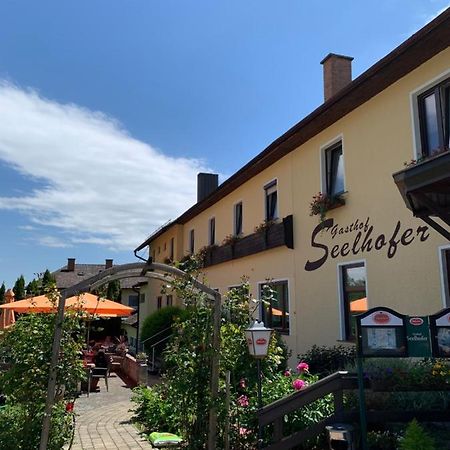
243,401
302,367
298,384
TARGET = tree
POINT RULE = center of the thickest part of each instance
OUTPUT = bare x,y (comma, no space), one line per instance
19,288
33,288
113,292
2,293
47,281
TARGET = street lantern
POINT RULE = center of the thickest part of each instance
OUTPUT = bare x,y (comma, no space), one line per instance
258,338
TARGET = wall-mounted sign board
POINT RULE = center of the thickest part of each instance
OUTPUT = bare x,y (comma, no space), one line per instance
418,336
381,332
440,333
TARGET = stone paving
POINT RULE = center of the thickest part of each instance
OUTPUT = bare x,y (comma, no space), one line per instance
103,419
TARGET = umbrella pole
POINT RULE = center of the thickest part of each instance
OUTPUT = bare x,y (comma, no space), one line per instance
88,332
52,376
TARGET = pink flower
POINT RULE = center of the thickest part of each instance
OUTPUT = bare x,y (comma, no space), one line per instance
244,431
303,367
243,401
287,373
298,384
242,383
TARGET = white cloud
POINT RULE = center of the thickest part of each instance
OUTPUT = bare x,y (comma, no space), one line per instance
100,185
53,241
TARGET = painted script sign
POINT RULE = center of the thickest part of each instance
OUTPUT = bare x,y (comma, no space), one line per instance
361,237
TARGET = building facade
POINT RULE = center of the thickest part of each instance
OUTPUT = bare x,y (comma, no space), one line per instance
368,250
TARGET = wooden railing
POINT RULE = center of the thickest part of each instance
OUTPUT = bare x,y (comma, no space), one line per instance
336,384
274,413
278,234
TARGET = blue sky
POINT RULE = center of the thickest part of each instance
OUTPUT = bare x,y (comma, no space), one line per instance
109,108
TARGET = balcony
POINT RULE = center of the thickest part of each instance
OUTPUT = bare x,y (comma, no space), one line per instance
276,235
425,188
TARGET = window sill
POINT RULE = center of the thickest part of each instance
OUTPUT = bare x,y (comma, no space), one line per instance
338,200
282,332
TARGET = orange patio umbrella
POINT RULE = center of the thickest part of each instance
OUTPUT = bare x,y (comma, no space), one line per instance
89,303
359,305
7,315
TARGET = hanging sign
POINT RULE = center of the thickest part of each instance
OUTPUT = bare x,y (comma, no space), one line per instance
381,332
440,333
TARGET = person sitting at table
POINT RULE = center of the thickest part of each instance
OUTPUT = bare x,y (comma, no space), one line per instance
101,367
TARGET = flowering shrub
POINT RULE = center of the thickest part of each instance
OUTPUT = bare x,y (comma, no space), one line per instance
264,226
181,403
321,203
423,158
404,374
27,347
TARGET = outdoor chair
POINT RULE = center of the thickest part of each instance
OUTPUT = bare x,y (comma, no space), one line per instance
98,372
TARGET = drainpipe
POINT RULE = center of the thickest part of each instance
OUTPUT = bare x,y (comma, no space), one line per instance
136,288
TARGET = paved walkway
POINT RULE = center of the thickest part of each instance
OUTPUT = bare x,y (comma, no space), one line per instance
103,419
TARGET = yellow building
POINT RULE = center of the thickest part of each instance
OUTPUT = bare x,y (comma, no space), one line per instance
369,250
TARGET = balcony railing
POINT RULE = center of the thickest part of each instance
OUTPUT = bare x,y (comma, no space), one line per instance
275,235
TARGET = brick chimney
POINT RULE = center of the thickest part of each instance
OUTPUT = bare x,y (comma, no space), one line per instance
70,264
337,73
108,263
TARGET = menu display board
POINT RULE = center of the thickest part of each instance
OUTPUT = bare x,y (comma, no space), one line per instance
440,333
381,332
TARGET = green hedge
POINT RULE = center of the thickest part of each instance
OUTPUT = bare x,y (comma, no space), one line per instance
324,360
159,321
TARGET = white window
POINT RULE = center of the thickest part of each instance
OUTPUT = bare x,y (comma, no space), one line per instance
445,275
434,118
430,106
353,296
332,167
271,200
276,314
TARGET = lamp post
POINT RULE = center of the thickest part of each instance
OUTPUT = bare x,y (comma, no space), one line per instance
258,338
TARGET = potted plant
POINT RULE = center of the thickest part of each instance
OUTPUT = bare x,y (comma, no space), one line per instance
231,240
263,229
141,358
321,203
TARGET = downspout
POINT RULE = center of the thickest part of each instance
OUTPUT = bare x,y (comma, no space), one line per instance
138,291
